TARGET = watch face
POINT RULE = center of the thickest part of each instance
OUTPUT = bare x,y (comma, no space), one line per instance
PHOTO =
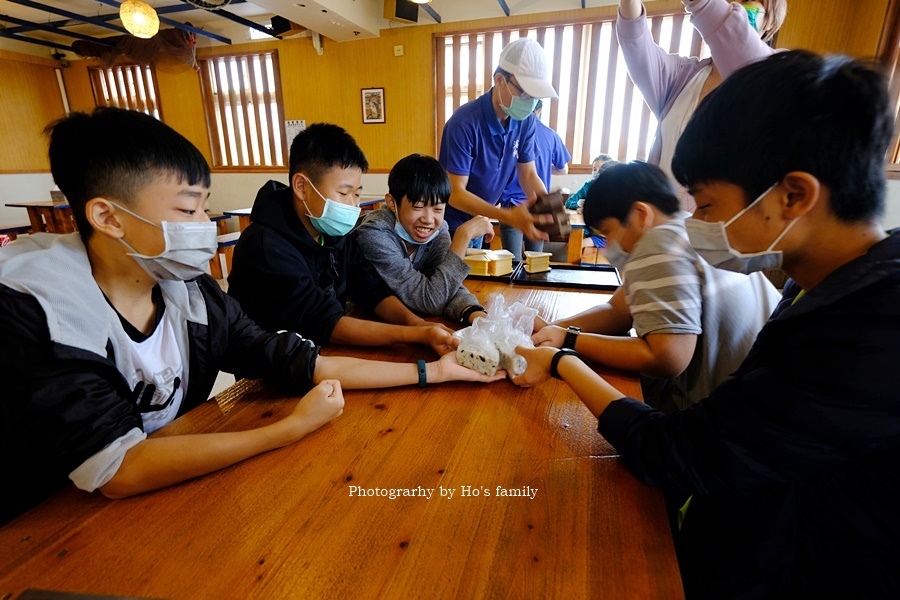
574,329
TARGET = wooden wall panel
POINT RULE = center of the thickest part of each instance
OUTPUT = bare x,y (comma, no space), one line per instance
181,104
327,87
834,26
29,100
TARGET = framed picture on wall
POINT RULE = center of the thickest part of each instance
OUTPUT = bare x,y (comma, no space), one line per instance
373,105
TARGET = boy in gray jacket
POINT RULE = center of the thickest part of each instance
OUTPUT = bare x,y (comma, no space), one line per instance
409,244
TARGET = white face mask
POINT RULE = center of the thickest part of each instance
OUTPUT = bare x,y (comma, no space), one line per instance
710,240
615,254
189,247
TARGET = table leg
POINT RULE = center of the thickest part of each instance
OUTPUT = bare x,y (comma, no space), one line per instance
573,250
37,222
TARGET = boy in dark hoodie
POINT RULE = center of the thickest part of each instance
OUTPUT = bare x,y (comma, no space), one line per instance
295,267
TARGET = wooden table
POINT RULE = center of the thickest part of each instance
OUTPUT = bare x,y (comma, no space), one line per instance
243,215
49,216
221,221
285,525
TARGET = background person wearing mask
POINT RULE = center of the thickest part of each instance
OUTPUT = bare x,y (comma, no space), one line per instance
673,86
550,158
576,200
488,140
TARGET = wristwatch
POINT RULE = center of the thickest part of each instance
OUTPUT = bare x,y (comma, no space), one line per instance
571,333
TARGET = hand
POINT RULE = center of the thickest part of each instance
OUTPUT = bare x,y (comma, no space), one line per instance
539,323
447,369
551,335
439,337
522,219
471,229
475,315
320,405
630,9
538,369
476,227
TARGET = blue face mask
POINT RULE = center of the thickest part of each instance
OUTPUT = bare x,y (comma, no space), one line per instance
337,219
404,235
519,108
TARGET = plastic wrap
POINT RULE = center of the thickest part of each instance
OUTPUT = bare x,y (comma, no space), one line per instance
491,341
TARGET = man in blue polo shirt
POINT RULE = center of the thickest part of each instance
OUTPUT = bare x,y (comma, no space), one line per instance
489,140
551,157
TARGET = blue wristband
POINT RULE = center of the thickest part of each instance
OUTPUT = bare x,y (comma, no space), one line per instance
421,366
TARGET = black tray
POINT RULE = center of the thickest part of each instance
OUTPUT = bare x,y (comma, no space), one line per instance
596,277
492,277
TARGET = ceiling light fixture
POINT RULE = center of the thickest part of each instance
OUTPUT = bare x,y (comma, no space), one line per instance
421,1
139,18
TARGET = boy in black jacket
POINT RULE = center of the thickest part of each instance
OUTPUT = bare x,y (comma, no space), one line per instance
295,266
109,335
792,462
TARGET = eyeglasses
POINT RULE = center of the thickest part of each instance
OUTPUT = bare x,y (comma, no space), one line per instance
522,93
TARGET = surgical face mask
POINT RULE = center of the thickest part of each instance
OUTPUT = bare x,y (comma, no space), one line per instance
614,252
754,16
337,219
404,235
189,247
519,108
710,240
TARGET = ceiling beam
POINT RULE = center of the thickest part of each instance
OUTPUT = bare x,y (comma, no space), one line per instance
55,30
163,10
504,6
71,15
28,40
239,19
182,26
434,14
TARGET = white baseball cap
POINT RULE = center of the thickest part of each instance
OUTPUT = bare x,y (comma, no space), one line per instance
525,59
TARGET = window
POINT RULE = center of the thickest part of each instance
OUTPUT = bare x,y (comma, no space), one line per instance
131,86
599,111
889,56
242,101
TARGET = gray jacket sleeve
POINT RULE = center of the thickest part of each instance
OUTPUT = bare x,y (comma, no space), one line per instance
434,285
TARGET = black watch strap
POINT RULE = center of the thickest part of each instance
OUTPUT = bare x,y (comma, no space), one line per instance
464,317
554,363
571,335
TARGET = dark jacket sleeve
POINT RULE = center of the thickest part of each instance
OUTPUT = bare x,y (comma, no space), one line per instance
60,406
275,285
802,402
284,359
365,287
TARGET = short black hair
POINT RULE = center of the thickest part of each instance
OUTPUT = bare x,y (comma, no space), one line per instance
322,147
619,186
113,153
420,179
795,111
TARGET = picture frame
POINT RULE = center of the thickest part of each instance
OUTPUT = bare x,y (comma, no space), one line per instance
373,105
